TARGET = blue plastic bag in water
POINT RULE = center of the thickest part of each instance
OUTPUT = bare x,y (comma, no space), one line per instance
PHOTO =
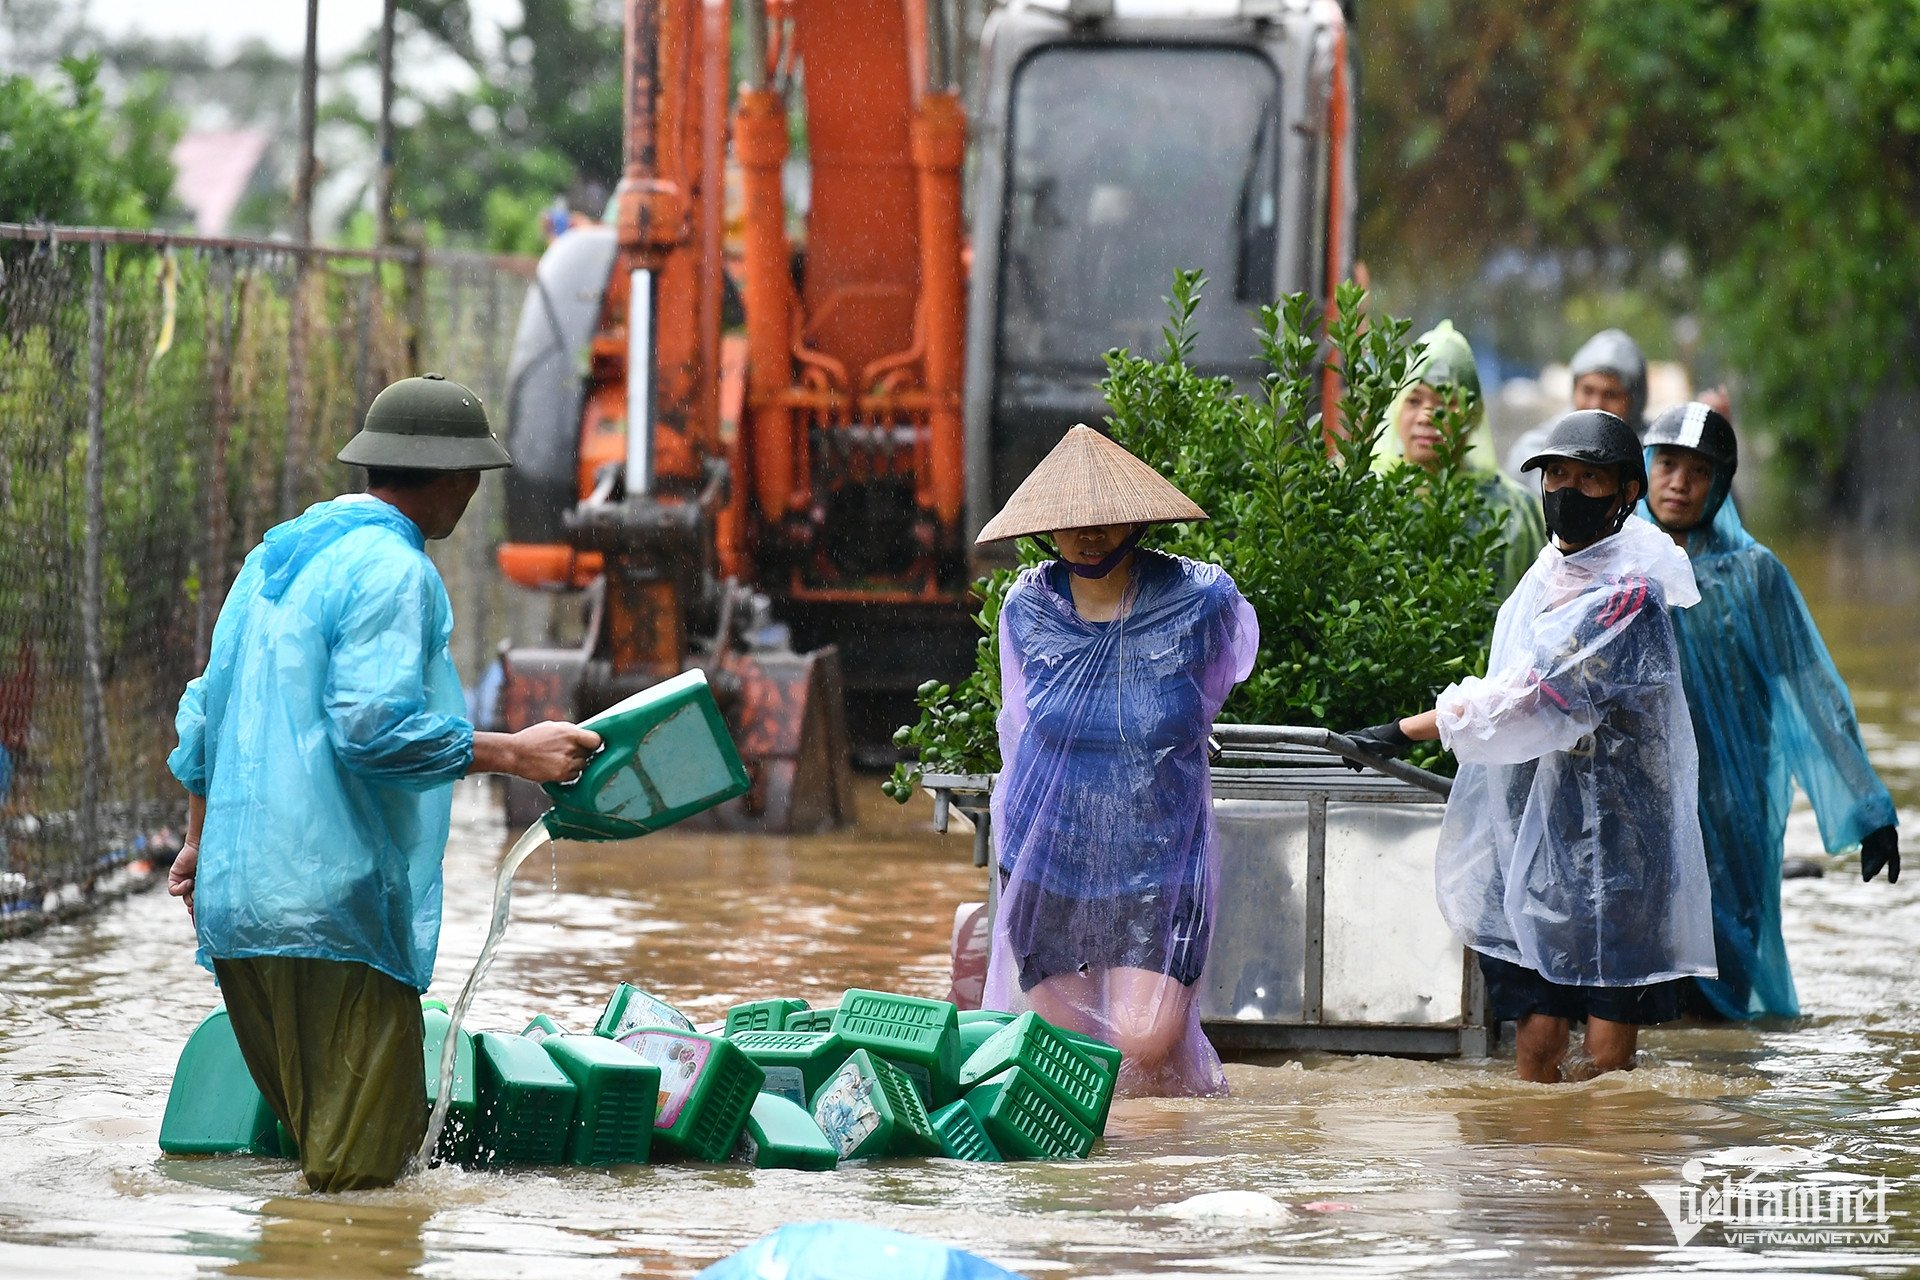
851,1251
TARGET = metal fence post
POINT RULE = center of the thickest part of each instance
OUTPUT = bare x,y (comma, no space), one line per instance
93,695
293,460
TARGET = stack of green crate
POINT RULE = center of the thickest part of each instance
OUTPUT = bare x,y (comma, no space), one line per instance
1037,1094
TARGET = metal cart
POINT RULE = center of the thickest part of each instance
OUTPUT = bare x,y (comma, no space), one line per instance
1327,934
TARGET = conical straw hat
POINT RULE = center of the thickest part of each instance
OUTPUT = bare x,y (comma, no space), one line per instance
1088,480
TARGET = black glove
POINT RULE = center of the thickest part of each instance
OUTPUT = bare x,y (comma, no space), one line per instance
1381,740
1881,849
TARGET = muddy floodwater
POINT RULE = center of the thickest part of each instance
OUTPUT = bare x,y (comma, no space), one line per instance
1385,1167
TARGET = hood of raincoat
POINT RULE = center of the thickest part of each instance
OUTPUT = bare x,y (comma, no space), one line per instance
1769,711
288,548
1612,351
1445,360
325,735
1571,843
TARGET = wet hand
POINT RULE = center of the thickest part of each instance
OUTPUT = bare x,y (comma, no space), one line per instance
1387,740
553,751
1881,849
180,876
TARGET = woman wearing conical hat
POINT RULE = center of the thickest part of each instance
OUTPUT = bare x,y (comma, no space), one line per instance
1114,661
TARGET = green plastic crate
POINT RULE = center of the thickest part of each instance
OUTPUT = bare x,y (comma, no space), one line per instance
921,1037
797,1063
542,1026
761,1015
619,1093
961,1135
1029,1041
1025,1120
213,1106
707,1088
667,755
631,1009
975,1034
780,1135
1108,1056
998,1017
457,1138
526,1102
811,1019
870,1108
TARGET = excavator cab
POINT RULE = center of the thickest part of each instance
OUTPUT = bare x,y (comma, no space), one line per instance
1118,142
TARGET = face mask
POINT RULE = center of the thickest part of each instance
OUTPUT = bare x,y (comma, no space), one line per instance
1106,564
1576,519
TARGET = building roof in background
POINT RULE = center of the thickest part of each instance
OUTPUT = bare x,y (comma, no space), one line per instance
213,169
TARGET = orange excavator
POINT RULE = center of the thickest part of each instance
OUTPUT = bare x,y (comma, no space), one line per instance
789,504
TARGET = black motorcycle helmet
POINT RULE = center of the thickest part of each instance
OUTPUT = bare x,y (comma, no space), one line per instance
1706,431
1596,437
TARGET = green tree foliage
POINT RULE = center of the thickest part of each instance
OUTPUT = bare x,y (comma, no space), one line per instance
1775,143
541,119
64,157
1374,589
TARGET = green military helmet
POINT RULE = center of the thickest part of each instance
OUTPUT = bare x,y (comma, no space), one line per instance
426,424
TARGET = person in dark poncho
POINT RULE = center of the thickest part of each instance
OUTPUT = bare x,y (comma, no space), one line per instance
1114,662
1768,710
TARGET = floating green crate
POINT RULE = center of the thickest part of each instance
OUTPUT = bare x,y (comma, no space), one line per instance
457,1137
631,1009
797,1063
1108,1056
707,1087
961,1135
921,1037
1025,1120
762,1015
541,1027
870,1108
526,1102
978,1032
811,1019
780,1135
1081,1084
619,1093
213,1106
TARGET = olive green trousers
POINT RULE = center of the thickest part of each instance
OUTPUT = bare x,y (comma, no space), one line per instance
335,1047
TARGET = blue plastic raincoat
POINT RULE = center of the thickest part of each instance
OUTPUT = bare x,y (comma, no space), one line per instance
1768,709
325,735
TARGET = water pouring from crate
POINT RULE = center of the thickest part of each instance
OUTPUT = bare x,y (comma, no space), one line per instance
665,755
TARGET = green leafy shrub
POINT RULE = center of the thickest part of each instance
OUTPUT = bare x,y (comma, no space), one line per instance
1374,589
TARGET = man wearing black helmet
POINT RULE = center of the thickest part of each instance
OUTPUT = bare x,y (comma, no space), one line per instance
1768,709
1570,857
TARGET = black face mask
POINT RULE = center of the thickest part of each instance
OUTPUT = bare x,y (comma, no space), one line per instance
1577,520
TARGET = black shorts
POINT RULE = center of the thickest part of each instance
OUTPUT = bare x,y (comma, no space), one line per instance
1515,992
1053,934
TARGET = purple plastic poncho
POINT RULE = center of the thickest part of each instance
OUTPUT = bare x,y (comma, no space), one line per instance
1103,815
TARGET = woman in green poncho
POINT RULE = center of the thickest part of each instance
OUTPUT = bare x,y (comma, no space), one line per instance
1445,368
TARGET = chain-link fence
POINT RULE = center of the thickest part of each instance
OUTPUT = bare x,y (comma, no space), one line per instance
163,402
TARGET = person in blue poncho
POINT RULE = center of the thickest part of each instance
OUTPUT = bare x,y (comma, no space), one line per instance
319,750
1114,662
1768,710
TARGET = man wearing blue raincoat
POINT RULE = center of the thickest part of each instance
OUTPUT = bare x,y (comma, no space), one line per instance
319,751
1768,710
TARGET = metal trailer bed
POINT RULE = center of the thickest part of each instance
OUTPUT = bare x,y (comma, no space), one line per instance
1327,935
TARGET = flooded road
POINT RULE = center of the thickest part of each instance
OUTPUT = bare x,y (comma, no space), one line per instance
1387,1167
